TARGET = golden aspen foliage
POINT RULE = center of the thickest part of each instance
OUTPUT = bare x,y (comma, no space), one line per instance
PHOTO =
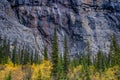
42,71
15,71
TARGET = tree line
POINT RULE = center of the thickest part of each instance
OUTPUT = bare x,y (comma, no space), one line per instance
61,64
101,61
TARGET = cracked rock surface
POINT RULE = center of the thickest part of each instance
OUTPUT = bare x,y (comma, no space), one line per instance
32,23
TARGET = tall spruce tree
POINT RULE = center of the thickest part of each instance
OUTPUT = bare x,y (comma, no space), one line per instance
54,56
66,57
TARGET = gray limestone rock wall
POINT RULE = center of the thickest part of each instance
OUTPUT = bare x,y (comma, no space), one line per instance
12,30
80,20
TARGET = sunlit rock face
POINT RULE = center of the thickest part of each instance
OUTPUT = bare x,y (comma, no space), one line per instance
82,21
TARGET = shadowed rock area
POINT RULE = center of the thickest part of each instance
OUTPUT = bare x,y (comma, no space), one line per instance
32,23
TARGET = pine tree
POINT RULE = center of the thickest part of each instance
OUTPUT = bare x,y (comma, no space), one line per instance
55,56
1,55
84,63
31,59
36,57
88,55
60,68
26,57
14,55
74,62
100,61
4,52
17,58
21,56
66,57
85,67
7,51
14,52
80,58
87,74
109,58
45,54
115,51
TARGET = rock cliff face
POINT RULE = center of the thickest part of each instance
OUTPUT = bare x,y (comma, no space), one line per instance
32,22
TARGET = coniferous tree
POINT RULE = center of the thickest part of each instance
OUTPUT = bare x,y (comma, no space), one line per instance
5,51
88,55
55,56
60,68
85,67
106,64
36,57
17,58
115,51
109,58
1,54
45,54
31,59
74,62
39,59
66,57
14,55
21,56
100,61
26,57
8,53
80,58
84,63
87,74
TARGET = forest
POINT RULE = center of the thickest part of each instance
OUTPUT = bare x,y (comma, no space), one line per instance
20,64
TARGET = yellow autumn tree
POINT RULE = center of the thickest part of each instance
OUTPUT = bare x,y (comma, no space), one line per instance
14,70
42,71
